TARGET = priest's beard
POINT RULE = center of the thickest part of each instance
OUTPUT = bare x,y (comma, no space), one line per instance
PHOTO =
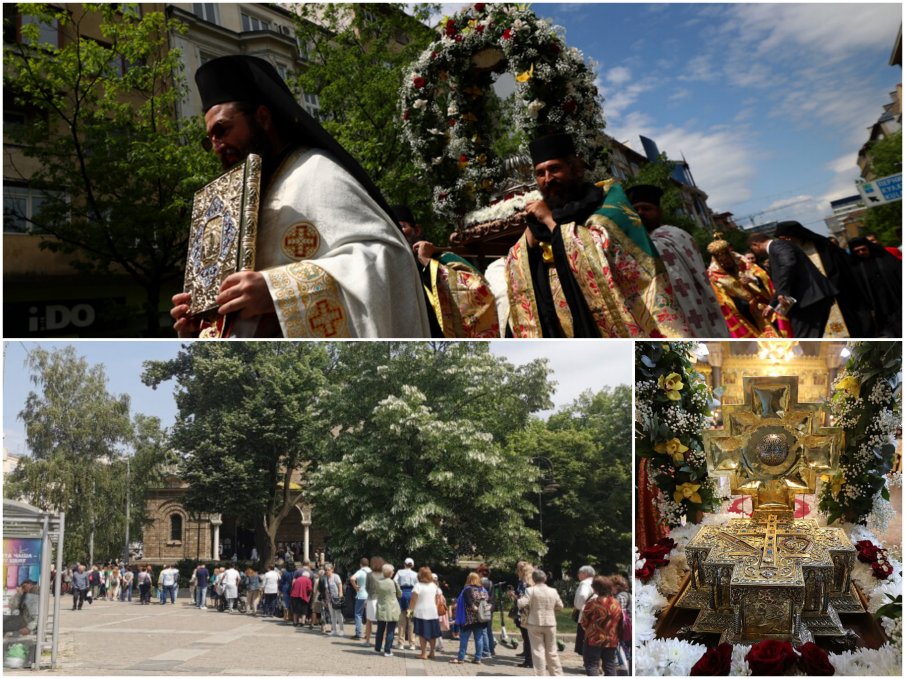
258,143
557,194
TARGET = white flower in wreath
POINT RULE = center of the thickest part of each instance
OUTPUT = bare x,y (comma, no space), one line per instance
534,107
436,161
453,109
420,103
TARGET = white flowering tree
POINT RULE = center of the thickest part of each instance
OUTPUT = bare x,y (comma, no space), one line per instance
420,463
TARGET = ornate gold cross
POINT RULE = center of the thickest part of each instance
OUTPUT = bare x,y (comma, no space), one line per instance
773,447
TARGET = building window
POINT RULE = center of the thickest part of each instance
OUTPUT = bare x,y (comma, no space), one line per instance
176,527
253,23
312,104
207,11
48,33
20,206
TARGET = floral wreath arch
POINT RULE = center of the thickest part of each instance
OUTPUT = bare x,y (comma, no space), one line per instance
444,100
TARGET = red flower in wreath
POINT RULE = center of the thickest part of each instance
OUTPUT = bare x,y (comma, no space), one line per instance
657,552
644,573
450,27
814,661
434,55
507,34
452,122
405,114
881,569
419,82
479,28
555,48
771,657
716,662
479,7
569,106
667,542
459,37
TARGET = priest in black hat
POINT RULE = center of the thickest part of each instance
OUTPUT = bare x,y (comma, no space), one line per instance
330,261
585,267
460,303
684,265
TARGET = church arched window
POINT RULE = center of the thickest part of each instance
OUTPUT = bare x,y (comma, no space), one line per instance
176,527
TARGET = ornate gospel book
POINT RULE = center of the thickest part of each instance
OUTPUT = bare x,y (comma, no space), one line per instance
222,236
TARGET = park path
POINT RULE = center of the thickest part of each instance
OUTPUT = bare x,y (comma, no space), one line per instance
119,638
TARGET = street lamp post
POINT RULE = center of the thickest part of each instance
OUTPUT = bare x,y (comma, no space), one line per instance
541,489
128,504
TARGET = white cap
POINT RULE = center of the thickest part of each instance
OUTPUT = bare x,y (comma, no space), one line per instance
410,562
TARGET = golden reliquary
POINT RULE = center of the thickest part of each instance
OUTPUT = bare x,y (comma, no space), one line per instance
771,576
223,232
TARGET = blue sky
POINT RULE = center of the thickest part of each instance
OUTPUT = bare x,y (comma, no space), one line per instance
577,365
769,103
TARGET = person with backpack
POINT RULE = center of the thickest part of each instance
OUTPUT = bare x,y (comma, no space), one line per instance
601,620
472,613
541,603
623,595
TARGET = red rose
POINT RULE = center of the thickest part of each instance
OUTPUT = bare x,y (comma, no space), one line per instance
658,563
452,122
434,55
644,573
419,82
463,158
405,114
507,34
450,27
667,542
655,552
459,37
814,661
771,657
569,106
479,7
881,569
714,663
479,28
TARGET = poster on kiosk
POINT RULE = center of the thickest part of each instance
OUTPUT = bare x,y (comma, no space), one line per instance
21,562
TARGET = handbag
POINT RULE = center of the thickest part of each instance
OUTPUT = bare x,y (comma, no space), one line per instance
337,601
441,604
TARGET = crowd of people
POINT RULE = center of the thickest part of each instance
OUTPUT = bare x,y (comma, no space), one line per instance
405,609
335,259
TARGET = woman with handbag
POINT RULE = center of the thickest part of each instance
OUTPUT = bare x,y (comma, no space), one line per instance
472,613
523,569
333,600
424,608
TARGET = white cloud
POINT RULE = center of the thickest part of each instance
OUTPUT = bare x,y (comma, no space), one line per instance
679,94
618,75
699,68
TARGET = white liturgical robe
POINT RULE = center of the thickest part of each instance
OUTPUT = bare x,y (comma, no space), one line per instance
335,264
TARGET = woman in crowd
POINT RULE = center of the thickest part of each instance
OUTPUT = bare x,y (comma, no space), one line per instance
539,605
388,594
113,583
601,619
271,587
300,599
253,589
444,617
523,569
128,582
624,596
333,600
423,609
469,606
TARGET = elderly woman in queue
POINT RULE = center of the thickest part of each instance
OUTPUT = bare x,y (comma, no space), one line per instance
471,601
601,620
523,569
539,605
388,611
423,609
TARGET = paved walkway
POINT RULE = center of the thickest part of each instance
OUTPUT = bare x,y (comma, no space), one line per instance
127,639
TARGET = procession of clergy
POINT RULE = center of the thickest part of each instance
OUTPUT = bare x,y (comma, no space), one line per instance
333,259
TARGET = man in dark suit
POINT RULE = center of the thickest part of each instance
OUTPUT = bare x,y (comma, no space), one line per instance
799,285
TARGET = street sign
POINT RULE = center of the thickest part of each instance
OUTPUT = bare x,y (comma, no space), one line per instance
881,191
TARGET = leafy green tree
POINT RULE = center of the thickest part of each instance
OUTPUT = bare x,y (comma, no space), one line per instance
116,167
886,220
250,425
358,60
76,432
420,463
658,174
583,454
